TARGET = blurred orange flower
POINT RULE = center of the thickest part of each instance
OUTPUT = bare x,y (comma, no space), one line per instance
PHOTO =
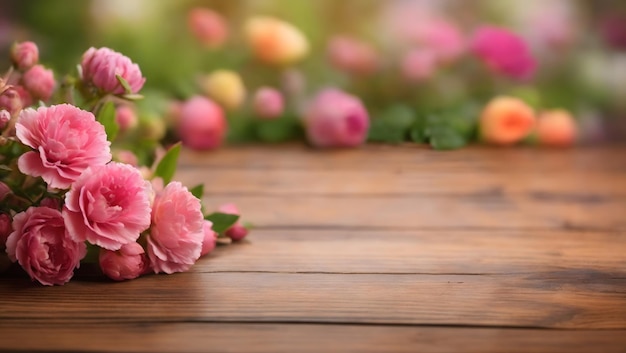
556,128
274,41
506,120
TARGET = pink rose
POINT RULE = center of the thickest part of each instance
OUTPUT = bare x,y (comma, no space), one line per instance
237,231
268,103
176,234
108,206
39,82
504,52
66,141
336,119
129,262
202,125
42,246
24,55
100,67
210,238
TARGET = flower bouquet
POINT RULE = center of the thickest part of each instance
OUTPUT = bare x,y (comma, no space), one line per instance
68,195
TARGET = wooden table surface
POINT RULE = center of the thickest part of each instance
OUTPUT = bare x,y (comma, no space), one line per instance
380,249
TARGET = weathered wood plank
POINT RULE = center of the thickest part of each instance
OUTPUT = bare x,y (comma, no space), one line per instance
70,336
425,252
483,210
566,299
412,157
569,185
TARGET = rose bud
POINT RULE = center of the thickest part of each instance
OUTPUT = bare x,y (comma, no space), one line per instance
274,41
129,262
506,120
556,128
225,87
237,231
202,124
268,103
210,238
39,82
208,26
24,55
336,119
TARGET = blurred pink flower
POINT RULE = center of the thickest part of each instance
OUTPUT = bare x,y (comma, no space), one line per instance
504,52
237,231
100,67
202,125
42,246
613,30
352,55
108,206
176,234
336,119
210,238
66,141
126,118
11,101
5,228
25,96
419,65
268,103
443,37
129,262
24,55
39,82
208,26
126,157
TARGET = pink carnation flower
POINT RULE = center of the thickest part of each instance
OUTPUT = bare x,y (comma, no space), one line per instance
100,67
176,234
39,82
129,262
504,52
336,119
42,246
108,206
66,141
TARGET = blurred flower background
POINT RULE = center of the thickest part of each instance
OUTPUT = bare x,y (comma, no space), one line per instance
339,73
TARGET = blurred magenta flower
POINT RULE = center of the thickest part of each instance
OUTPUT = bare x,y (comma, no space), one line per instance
207,26
556,128
613,30
101,66
504,52
274,41
268,103
506,121
352,55
39,82
419,65
201,125
24,55
129,262
336,119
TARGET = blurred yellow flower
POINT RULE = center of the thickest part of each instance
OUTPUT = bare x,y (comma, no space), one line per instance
274,41
225,87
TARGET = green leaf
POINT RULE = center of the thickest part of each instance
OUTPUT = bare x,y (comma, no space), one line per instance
221,221
445,138
197,191
393,125
106,117
167,166
124,83
278,130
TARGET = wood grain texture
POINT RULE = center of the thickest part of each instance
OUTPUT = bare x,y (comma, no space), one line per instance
382,248
277,338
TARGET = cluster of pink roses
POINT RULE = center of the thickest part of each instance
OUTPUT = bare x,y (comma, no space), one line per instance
63,196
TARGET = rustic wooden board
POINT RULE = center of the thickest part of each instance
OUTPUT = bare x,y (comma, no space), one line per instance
276,338
384,248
